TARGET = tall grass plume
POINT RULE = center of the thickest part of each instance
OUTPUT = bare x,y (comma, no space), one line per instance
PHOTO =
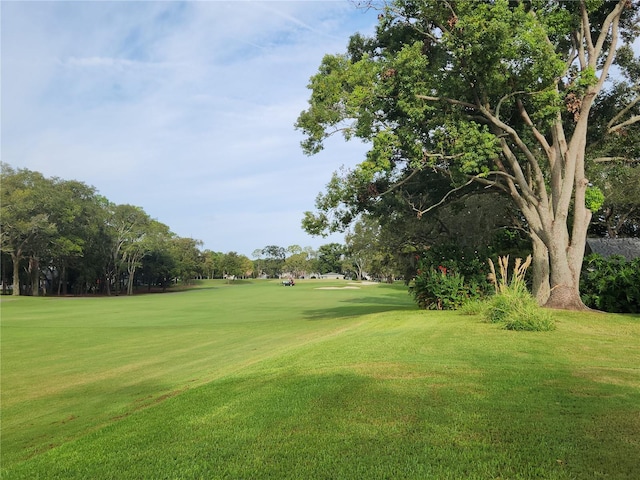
512,305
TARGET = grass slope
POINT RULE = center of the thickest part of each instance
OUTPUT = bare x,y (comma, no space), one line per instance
262,381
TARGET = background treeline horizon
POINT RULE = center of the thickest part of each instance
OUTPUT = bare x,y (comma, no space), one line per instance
62,237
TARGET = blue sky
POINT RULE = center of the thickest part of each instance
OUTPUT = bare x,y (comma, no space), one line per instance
185,109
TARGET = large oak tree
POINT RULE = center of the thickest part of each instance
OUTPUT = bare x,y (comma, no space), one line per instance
496,93
26,226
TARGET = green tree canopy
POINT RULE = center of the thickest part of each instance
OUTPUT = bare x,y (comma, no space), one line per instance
273,260
614,151
235,265
330,258
59,233
188,259
25,214
362,245
494,93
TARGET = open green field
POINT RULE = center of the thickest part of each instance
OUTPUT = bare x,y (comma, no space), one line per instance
254,380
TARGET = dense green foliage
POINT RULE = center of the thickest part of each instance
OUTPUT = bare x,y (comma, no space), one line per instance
497,94
330,258
254,380
614,148
441,290
449,276
61,236
619,215
611,284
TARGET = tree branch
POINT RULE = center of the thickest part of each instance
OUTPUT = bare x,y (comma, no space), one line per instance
447,100
402,182
512,94
420,213
536,133
517,169
612,128
586,30
609,159
582,59
612,20
630,121
475,178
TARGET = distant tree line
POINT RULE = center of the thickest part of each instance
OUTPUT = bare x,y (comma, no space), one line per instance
61,237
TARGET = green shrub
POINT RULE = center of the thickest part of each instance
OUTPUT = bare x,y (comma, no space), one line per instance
448,277
471,264
611,284
440,290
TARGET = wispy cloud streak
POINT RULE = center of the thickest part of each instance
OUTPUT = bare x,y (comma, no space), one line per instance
184,108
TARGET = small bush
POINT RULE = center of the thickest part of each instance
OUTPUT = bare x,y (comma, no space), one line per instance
448,277
471,264
611,284
440,290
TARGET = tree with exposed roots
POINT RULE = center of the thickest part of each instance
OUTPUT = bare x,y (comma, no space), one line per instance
491,93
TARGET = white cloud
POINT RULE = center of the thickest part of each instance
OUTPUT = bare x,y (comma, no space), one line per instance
184,108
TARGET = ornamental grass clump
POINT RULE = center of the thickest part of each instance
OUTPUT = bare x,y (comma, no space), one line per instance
512,305
474,307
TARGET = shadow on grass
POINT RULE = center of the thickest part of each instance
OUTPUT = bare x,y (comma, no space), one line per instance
191,288
360,306
76,412
348,425
403,303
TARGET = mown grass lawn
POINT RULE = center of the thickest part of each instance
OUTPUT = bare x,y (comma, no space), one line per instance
255,380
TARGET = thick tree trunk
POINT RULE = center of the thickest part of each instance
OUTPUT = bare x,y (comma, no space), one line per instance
565,297
540,265
15,257
564,271
63,279
34,273
132,271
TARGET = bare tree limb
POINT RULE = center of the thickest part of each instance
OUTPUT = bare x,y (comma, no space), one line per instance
630,121
402,182
475,178
586,30
609,159
513,161
612,21
420,212
536,133
509,95
611,126
447,100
